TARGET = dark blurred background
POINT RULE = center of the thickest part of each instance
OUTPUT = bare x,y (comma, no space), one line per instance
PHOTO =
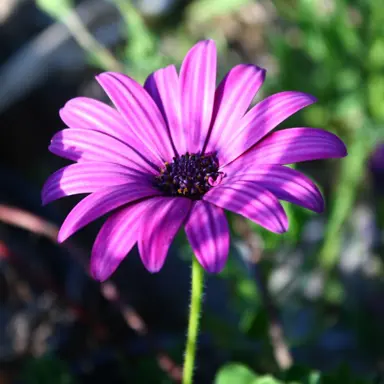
324,278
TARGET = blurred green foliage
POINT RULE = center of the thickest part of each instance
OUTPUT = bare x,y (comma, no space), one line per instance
45,370
338,47
56,8
240,374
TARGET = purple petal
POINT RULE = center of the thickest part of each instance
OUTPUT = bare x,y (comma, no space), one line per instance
164,87
81,145
232,99
198,83
260,120
160,224
208,233
140,112
86,178
101,202
285,183
291,146
251,201
115,240
86,113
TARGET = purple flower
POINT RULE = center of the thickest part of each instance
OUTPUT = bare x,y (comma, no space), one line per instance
178,152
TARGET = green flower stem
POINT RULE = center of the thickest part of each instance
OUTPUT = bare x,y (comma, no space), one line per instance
194,317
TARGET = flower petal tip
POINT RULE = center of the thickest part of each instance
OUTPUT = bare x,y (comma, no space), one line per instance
282,228
152,268
65,111
343,150
42,195
260,72
313,98
100,78
98,275
107,74
50,146
340,145
104,76
214,269
304,96
263,72
320,205
62,236
207,42
100,74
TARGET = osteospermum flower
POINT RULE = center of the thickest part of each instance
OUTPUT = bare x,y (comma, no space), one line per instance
178,152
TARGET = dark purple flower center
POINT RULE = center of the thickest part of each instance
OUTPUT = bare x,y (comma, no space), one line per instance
189,175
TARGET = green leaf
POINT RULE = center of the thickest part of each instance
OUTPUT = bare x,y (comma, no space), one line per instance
267,380
313,378
236,373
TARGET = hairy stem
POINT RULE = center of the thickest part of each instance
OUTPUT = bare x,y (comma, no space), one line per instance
194,317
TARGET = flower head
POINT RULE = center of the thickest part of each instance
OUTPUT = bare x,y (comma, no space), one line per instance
178,152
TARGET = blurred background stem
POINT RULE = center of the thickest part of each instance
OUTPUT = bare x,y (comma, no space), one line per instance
65,12
344,197
279,345
277,339
97,51
141,40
